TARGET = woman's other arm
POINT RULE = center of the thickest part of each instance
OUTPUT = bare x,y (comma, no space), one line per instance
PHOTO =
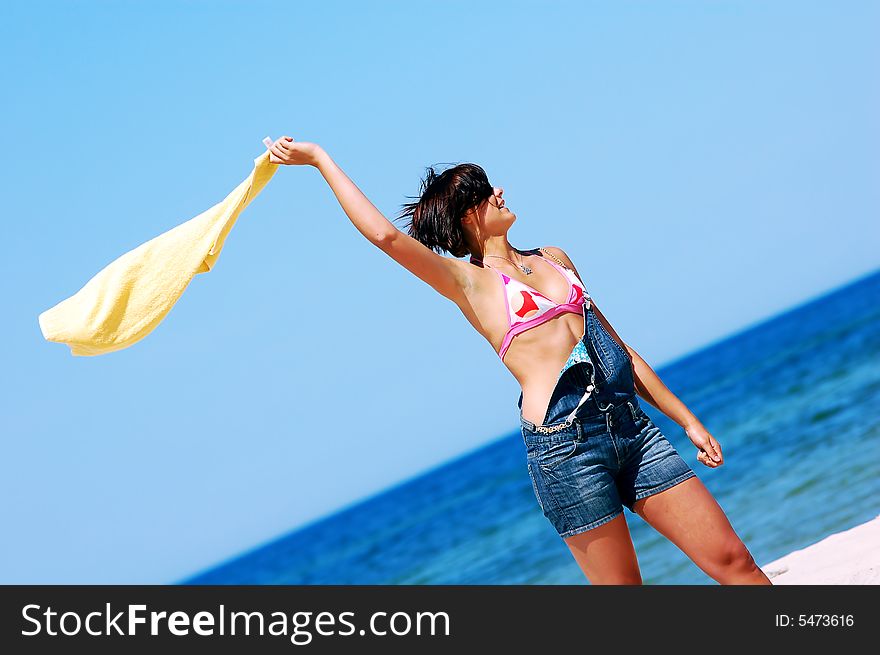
650,387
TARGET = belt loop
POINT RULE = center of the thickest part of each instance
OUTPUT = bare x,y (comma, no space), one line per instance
580,430
632,410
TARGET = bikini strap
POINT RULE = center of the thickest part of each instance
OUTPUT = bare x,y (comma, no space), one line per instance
547,252
563,268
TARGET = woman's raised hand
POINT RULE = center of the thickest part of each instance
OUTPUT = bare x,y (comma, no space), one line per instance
293,153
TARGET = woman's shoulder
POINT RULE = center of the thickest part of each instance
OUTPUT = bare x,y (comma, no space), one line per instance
557,252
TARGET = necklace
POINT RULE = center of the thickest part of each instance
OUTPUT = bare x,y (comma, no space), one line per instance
525,269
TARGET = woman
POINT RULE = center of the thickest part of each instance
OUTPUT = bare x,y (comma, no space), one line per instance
591,449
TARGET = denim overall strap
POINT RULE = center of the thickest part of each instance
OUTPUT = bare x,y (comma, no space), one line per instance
566,382
609,383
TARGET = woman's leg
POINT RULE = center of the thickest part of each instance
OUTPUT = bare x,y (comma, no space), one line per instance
689,516
606,554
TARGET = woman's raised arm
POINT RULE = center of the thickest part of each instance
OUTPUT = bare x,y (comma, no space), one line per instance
446,275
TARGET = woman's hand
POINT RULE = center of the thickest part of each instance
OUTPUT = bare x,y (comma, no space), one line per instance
294,153
709,450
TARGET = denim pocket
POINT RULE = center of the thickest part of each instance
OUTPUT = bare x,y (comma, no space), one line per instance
535,485
642,417
552,454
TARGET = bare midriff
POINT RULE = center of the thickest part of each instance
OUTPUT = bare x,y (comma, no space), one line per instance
536,357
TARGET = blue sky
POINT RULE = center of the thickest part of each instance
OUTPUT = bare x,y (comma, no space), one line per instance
706,165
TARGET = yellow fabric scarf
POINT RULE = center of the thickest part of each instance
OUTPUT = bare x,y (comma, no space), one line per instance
126,300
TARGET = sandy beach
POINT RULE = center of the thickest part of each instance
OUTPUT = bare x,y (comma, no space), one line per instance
851,557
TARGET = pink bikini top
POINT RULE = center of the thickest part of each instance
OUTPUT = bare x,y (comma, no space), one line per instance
527,307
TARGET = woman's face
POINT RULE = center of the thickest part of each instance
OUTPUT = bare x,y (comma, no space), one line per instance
497,217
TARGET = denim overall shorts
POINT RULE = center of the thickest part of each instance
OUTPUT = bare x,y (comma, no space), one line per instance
596,450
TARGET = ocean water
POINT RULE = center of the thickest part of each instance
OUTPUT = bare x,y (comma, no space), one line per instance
794,401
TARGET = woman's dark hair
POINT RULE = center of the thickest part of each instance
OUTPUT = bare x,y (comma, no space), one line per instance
444,199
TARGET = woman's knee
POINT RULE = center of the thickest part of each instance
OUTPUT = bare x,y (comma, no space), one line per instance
732,558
